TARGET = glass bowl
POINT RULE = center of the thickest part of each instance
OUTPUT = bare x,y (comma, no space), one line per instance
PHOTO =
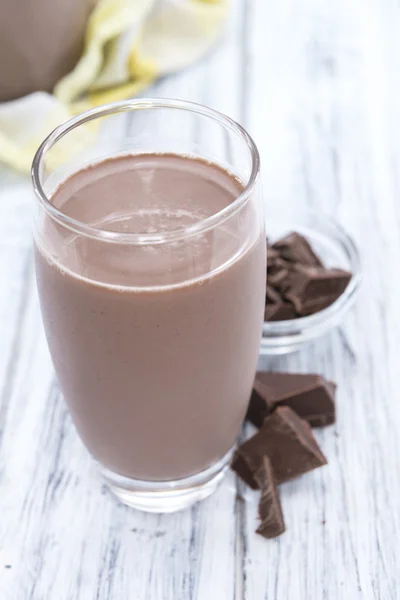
336,249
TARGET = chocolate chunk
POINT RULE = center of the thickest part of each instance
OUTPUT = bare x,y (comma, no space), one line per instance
277,309
278,273
272,255
283,312
312,397
295,248
311,289
288,442
240,466
269,508
270,312
296,272
272,296
260,404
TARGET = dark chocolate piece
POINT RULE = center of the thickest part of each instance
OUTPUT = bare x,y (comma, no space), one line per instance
288,442
312,397
240,466
311,289
278,273
277,309
270,312
259,405
272,296
283,312
272,255
269,508
297,275
295,248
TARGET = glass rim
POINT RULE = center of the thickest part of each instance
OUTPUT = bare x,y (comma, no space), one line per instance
126,106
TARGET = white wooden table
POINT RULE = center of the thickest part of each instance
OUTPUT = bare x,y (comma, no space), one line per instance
317,84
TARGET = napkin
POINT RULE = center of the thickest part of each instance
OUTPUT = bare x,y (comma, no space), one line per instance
128,44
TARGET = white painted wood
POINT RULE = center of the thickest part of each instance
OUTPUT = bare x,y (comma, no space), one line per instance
317,85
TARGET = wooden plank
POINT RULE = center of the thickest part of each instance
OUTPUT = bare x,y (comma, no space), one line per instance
325,88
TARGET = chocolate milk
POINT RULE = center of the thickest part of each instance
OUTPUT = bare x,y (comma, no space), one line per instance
40,41
155,346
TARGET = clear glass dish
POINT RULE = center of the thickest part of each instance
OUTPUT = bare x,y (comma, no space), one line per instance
336,249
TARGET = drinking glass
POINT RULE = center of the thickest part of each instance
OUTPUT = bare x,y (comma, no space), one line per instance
154,335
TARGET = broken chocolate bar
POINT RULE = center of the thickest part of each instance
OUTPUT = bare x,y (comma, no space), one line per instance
312,397
240,466
299,284
277,309
295,248
269,508
288,442
272,255
272,296
277,273
280,311
310,289
271,312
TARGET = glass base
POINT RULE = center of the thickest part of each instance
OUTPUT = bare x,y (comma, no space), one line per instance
167,496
